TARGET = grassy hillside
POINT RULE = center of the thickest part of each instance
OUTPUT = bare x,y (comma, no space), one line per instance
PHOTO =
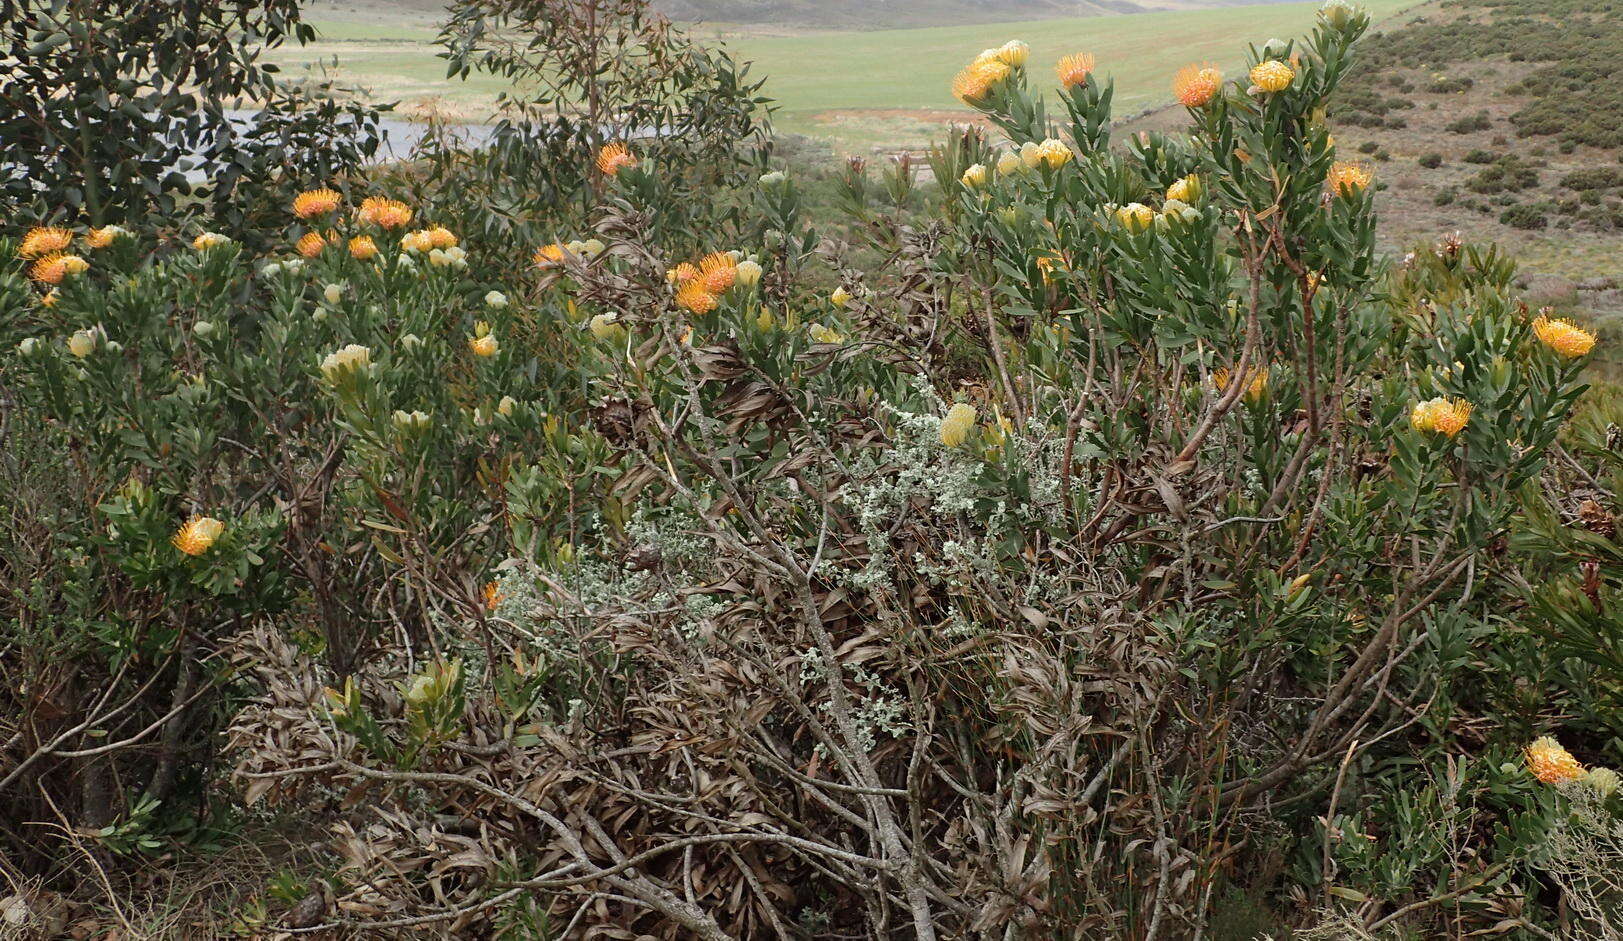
1501,119
859,89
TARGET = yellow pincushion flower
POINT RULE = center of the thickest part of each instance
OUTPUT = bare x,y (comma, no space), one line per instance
1255,389
362,248
198,535
695,298
1196,85
50,298
974,177
1013,53
105,236
1009,162
1272,75
1054,154
1551,763
955,427
310,244
1441,416
1348,179
615,157
351,357
1074,69
1186,190
1136,217
822,334
840,297
485,346
978,80
318,202
209,240
55,267
718,271
1563,336
44,240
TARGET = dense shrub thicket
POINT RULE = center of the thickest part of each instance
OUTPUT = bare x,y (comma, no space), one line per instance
1127,551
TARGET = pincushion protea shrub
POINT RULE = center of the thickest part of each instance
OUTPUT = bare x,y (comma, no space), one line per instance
1129,540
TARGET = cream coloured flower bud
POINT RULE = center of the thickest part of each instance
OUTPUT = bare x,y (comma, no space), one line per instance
82,343
333,293
496,299
203,329
748,273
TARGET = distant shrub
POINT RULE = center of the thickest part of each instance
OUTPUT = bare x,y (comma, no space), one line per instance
1431,161
1368,147
1444,197
1593,178
1469,123
1527,215
1507,175
1450,86
1480,156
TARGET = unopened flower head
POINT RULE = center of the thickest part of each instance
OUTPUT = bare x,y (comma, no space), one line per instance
412,421
1272,75
333,293
749,272
198,534
1348,179
1563,336
1196,85
484,346
506,405
606,327
1074,69
955,427
615,157
44,240
974,176
1255,388
496,299
313,203
840,297
1009,162
1551,763
822,334
1604,780
384,213
209,240
84,342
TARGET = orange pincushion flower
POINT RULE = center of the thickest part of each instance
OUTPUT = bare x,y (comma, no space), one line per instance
44,240
1551,763
1074,69
384,213
54,267
308,205
615,157
718,271
104,236
1348,179
1254,389
310,244
198,535
549,255
695,299
978,79
1563,336
682,273
362,248
493,595
1196,85
440,237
